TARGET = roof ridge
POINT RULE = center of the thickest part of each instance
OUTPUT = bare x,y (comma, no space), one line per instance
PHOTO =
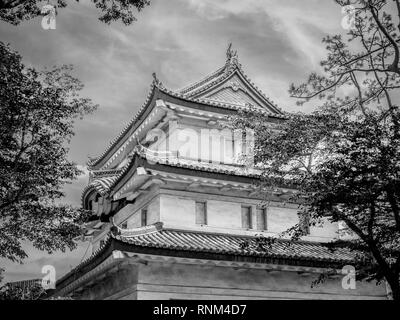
191,86
213,233
154,84
232,61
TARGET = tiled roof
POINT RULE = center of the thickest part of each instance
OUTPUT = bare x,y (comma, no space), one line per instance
101,184
131,122
223,105
233,245
239,170
186,164
106,184
154,239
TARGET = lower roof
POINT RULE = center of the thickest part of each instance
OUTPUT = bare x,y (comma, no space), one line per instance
155,240
237,245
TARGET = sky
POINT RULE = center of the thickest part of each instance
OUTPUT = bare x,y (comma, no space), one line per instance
278,42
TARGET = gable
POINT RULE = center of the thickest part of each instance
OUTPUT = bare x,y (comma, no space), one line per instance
236,90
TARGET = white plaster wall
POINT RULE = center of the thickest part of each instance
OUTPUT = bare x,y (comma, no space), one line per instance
326,229
177,211
153,214
224,214
196,140
181,212
281,219
131,213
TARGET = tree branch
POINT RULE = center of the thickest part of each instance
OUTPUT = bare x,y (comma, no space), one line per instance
395,65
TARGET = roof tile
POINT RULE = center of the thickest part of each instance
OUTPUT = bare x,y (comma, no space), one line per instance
232,244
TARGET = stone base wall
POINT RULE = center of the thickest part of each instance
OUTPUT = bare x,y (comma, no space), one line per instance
158,280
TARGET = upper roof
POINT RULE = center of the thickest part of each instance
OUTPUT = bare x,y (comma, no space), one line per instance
228,88
229,84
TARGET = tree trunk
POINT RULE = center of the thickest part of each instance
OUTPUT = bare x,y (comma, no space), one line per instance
395,288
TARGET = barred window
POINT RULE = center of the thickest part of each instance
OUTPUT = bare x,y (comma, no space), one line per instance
262,219
246,217
201,212
144,217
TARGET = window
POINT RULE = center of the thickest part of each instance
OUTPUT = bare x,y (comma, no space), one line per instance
262,219
124,225
304,223
201,212
246,218
144,217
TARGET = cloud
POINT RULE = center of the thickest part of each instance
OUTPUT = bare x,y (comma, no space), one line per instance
214,10
300,22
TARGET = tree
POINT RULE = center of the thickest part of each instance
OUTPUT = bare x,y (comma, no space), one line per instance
37,114
9,292
15,11
344,157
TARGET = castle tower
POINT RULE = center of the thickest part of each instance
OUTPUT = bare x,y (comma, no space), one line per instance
176,208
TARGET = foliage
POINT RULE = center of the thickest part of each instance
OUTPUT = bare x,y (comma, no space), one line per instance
344,158
37,114
10,292
15,11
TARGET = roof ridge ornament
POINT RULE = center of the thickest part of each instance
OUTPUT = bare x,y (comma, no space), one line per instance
232,58
156,81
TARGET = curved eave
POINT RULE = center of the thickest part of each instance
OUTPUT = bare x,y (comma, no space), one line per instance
127,173
132,125
99,185
85,193
182,169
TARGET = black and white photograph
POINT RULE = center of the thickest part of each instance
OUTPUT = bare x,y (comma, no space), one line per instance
199,150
